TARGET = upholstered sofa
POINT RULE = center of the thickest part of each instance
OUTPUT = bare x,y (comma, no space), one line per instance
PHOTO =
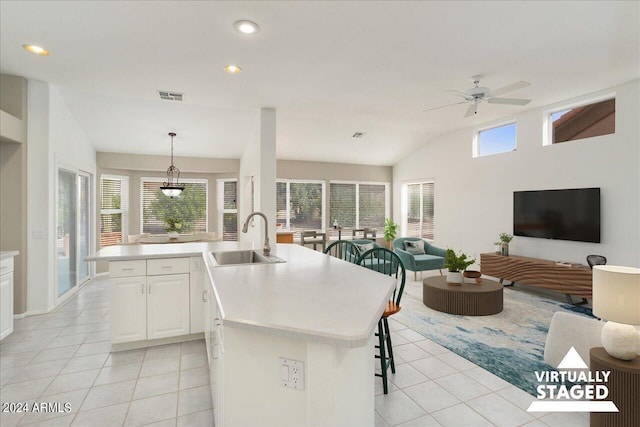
432,259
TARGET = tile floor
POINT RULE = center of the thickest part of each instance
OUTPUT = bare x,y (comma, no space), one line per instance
63,357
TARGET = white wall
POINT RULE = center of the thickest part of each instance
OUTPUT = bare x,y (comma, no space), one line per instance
53,136
474,197
258,160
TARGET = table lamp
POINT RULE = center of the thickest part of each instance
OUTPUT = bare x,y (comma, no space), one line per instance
616,298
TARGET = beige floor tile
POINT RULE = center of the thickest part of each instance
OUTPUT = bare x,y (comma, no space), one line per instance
433,368
94,348
58,406
85,363
59,353
396,407
194,378
460,415
163,351
431,397
108,395
34,371
160,366
462,387
499,411
114,374
102,417
193,360
73,381
152,409
193,347
155,385
126,357
196,419
18,392
194,400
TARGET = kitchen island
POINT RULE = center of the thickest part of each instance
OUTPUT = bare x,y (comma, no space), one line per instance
289,344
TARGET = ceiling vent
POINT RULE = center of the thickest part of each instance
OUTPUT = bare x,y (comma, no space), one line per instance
358,134
170,96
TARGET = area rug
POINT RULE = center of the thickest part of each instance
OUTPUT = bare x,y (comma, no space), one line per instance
509,344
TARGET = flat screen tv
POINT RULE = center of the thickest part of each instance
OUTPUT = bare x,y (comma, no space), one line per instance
572,214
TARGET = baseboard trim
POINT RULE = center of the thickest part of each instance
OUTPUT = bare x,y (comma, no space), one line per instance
153,343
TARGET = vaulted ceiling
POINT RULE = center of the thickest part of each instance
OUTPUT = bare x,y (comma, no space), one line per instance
329,68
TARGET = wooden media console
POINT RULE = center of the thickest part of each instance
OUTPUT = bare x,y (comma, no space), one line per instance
570,279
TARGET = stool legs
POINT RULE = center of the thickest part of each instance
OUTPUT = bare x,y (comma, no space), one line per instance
384,339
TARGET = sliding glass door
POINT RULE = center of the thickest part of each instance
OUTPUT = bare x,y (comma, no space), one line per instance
73,229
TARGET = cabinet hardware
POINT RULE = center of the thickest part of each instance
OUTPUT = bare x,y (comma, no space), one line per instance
167,266
149,289
142,288
127,269
204,296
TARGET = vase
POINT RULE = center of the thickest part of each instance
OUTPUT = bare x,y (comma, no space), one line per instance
173,234
504,249
454,277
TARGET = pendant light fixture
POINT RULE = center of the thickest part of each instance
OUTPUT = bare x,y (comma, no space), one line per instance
170,187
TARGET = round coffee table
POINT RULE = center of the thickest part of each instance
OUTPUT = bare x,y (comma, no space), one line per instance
467,299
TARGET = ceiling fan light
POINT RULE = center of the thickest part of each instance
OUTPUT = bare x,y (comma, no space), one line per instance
172,191
171,188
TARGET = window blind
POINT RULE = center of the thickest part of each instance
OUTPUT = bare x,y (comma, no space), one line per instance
300,205
113,209
228,209
420,208
190,208
357,205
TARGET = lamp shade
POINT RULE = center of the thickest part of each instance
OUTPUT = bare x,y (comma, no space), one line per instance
616,294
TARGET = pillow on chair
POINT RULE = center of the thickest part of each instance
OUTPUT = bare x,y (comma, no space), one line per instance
363,247
415,247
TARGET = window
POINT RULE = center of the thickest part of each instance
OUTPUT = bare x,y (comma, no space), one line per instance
358,205
585,121
114,209
189,209
300,204
228,209
500,139
419,207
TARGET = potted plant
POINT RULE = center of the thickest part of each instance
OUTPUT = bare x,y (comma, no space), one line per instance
174,225
505,239
390,231
456,264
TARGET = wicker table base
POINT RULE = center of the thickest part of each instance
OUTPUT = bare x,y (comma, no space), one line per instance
468,299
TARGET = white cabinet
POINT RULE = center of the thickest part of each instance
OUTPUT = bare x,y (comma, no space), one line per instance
196,291
214,337
128,309
6,297
167,306
149,299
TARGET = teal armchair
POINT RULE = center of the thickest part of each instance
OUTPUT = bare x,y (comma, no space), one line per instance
432,259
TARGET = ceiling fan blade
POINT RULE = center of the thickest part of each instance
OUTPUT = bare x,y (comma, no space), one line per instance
458,93
444,106
471,110
509,88
509,101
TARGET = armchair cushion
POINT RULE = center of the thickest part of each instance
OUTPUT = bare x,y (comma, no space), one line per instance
414,247
363,247
428,262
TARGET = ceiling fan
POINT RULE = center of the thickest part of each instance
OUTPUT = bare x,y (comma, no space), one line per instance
477,95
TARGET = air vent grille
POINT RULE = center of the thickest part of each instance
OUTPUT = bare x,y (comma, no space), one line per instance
170,96
358,134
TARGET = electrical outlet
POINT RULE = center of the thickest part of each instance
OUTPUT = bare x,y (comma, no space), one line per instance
292,373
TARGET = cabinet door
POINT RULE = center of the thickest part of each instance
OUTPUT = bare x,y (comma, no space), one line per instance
197,287
167,306
128,309
6,304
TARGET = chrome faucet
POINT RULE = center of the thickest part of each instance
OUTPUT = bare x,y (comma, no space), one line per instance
266,250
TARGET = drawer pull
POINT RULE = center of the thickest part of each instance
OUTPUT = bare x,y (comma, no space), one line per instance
167,266
204,296
142,289
149,290
128,269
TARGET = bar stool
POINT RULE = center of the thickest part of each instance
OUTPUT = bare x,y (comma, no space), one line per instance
344,250
365,233
386,262
312,237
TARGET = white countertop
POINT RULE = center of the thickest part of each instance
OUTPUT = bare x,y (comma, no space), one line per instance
8,254
312,296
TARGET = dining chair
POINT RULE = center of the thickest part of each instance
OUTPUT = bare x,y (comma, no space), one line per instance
344,250
312,237
386,262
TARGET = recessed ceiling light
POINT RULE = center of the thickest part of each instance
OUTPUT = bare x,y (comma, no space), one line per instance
233,69
36,49
246,27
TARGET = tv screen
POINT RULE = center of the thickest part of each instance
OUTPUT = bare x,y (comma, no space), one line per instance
572,214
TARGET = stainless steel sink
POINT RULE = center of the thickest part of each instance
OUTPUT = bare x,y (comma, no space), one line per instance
239,257
244,257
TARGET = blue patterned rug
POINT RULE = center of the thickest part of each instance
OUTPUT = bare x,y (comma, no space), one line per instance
509,344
